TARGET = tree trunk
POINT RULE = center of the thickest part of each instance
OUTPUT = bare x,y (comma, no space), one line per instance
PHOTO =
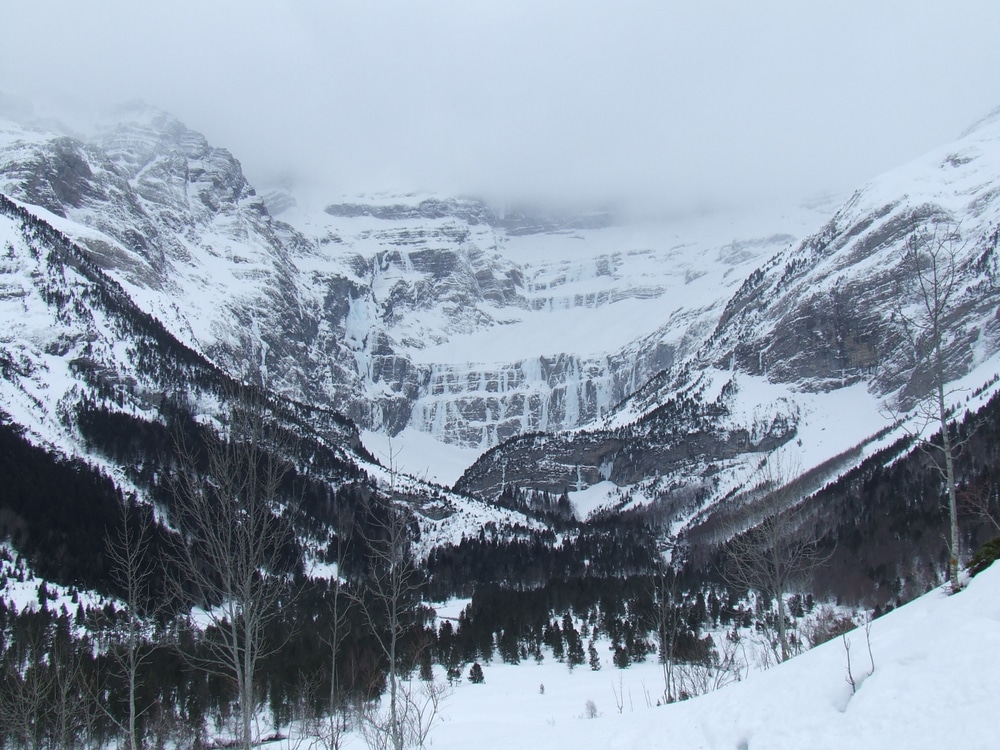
782,634
949,470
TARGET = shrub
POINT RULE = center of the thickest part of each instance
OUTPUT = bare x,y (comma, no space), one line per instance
985,556
828,625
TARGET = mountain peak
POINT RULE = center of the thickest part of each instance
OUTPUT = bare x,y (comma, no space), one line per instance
986,123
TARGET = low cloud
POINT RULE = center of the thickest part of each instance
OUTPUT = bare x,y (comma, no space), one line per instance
646,103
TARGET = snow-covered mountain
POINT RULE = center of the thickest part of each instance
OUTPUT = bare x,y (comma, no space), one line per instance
77,351
174,221
626,362
568,364
443,315
808,356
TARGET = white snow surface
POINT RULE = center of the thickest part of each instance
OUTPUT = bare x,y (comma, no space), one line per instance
420,455
20,588
934,686
591,291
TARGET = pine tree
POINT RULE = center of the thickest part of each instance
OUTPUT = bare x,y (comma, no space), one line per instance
622,659
476,676
593,657
554,639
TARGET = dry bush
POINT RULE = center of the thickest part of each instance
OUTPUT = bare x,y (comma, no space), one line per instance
827,625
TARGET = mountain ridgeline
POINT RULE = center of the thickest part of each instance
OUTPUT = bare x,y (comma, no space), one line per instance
186,279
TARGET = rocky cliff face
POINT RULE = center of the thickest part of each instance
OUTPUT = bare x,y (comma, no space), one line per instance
385,310
175,221
478,325
832,310
836,314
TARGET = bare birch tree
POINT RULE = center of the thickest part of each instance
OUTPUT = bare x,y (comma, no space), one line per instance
390,596
666,614
132,571
931,264
234,558
330,730
774,554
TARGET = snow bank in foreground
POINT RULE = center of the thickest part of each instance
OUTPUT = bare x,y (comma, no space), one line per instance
934,686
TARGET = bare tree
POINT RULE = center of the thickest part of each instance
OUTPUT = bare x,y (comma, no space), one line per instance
390,595
416,707
330,730
44,701
666,614
983,501
931,263
235,554
132,571
24,704
851,680
774,554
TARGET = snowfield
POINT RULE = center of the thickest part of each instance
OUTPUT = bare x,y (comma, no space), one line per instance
934,686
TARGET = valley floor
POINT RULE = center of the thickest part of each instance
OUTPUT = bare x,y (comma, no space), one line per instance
934,686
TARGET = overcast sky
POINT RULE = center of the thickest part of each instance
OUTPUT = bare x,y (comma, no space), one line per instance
677,105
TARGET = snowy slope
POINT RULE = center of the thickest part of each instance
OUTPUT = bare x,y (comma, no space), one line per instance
52,344
934,686
806,360
820,310
72,337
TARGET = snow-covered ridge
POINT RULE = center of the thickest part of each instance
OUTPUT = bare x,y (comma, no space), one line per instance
73,341
807,348
392,309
